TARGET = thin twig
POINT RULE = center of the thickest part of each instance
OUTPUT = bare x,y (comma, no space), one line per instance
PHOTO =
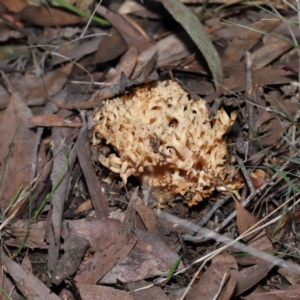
246,174
216,206
249,95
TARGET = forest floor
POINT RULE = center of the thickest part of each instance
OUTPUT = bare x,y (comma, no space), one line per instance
149,150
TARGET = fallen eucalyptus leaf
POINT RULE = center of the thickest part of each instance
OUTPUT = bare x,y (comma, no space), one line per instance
195,30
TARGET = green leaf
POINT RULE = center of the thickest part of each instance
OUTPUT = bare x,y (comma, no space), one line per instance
196,31
174,267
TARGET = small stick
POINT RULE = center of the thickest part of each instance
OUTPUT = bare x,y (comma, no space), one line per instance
245,173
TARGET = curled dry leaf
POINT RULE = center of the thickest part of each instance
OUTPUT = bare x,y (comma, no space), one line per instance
258,178
163,137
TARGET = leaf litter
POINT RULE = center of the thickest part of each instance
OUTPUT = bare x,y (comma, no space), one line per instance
91,234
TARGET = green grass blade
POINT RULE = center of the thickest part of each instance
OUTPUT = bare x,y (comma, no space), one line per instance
12,201
174,267
18,251
6,294
80,12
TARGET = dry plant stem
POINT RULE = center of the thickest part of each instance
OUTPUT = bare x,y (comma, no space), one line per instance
229,242
298,52
90,19
222,283
249,96
280,189
193,280
215,107
245,173
254,193
291,33
11,89
224,200
254,228
291,249
207,217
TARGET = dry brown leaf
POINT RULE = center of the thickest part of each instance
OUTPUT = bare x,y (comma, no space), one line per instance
270,129
292,292
114,46
75,248
248,277
54,121
17,231
173,48
14,6
154,292
245,220
126,65
86,205
76,49
130,34
232,266
100,292
261,293
288,107
26,282
245,39
7,284
26,263
153,255
48,16
273,47
17,172
49,85
288,274
216,281
260,242
94,269
266,76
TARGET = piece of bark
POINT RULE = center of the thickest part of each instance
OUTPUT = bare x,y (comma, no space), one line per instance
63,143
75,248
98,198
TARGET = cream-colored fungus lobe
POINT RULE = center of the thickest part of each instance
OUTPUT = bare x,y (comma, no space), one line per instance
164,137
